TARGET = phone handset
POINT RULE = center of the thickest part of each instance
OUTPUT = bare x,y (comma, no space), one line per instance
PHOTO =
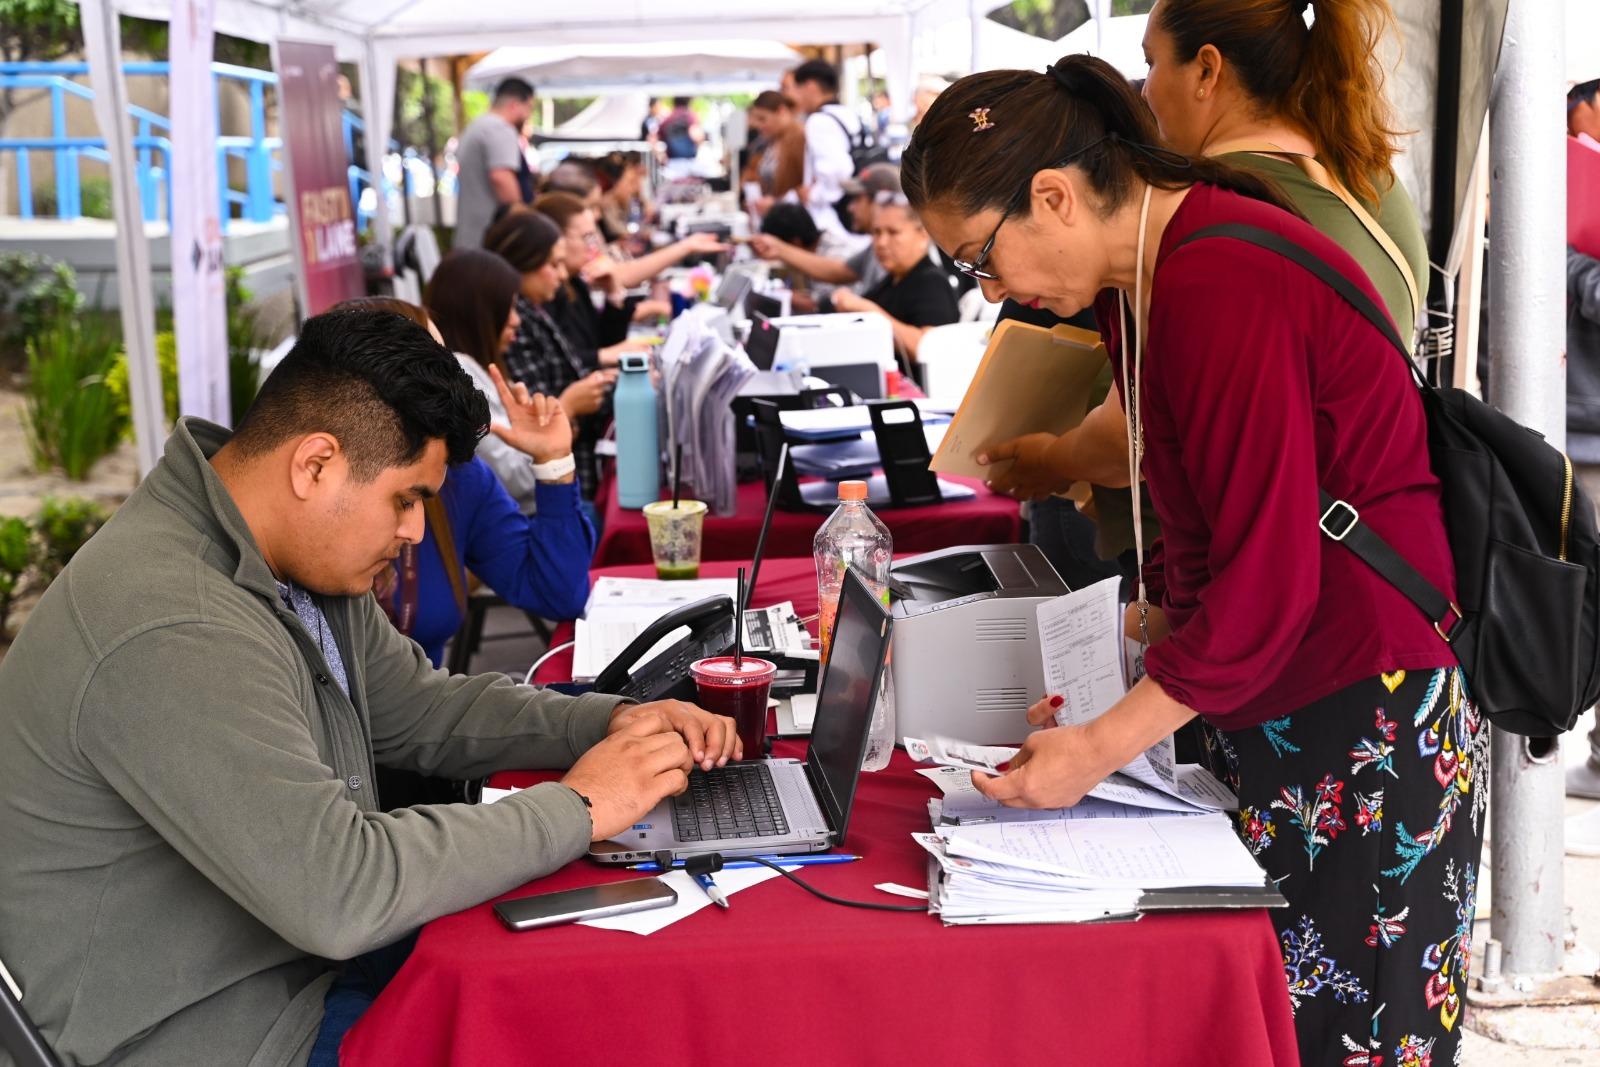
710,623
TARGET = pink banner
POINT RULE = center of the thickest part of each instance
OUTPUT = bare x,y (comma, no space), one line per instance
323,217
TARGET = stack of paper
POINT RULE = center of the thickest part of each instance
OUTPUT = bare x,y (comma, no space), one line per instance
1078,870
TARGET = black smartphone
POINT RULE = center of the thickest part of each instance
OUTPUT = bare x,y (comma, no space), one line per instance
590,902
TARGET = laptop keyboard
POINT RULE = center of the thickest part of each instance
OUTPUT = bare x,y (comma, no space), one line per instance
738,800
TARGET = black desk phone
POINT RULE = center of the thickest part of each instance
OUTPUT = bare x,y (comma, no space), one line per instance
666,677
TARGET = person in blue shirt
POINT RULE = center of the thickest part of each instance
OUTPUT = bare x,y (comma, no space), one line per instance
538,562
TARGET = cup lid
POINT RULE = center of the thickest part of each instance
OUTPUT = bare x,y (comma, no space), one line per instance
721,668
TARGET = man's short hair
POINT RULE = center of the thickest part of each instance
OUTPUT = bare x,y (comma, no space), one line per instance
819,71
377,382
513,89
791,223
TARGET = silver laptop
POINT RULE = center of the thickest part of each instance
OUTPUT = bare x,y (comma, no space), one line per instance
781,806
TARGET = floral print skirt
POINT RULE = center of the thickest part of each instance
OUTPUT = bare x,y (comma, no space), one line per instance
1367,810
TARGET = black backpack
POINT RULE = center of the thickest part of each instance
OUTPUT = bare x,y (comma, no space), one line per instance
1521,531
865,148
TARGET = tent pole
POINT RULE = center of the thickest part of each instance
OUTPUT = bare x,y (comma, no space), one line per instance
1446,139
102,39
1527,374
375,95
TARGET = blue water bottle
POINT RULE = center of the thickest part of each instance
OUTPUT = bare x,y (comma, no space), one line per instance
638,446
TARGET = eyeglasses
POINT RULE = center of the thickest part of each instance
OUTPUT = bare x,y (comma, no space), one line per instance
975,268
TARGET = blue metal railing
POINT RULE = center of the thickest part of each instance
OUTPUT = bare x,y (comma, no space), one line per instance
261,155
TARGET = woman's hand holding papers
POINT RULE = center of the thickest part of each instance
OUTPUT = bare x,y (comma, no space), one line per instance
1057,768
712,739
1024,467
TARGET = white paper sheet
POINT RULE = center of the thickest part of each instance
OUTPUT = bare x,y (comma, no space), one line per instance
1079,640
1110,853
691,898
948,752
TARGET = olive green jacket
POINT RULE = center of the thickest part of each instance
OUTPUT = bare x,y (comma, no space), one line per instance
189,827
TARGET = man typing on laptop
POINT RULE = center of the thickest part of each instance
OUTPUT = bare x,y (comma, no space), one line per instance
189,831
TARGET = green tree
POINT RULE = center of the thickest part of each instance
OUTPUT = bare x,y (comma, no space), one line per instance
1054,19
35,30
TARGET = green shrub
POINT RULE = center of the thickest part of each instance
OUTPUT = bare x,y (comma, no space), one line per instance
167,362
16,555
244,339
64,524
72,415
35,291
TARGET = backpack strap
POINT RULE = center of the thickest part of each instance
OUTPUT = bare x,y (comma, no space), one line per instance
1313,169
1340,521
854,140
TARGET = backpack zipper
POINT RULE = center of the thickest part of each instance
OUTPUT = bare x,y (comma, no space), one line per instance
1566,508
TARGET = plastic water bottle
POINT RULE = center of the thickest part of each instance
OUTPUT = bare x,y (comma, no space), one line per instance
854,537
638,443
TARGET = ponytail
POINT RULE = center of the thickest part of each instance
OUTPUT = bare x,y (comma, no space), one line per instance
1326,79
985,138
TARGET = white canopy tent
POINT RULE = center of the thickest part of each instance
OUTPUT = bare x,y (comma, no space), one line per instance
686,68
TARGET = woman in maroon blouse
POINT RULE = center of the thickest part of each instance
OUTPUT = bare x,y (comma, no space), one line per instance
1333,706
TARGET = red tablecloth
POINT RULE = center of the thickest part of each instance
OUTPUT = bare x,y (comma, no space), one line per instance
784,979
987,519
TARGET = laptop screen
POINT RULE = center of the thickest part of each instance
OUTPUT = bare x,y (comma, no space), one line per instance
846,699
762,344
731,292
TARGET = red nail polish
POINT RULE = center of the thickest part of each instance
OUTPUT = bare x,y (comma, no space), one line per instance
1056,702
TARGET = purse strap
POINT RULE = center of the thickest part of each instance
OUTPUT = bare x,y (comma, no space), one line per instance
1313,169
1340,521
445,540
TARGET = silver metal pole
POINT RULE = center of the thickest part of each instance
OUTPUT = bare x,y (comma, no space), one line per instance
1527,373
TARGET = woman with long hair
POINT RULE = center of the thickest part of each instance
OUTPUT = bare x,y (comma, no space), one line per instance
1249,82
781,166
1332,705
539,355
538,562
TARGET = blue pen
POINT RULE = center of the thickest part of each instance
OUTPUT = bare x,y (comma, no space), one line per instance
786,861
717,896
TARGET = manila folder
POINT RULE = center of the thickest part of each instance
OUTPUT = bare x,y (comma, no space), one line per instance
1031,380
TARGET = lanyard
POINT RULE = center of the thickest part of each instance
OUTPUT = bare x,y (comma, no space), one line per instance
1130,397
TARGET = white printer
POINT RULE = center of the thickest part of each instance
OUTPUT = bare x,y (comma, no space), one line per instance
966,641
852,350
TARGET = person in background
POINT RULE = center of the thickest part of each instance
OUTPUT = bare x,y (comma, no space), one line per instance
575,176
917,293
539,355
650,129
840,259
830,130
1583,446
929,86
195,711
680,132
1335,709
536,560
589,267
881,112
625,204
489,157
1583,109
781,166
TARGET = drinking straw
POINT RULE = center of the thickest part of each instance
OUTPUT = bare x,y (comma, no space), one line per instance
677,475
738,627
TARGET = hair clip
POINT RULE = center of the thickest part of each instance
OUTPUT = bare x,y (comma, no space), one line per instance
980,119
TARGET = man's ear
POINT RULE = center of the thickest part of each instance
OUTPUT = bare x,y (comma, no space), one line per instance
310,463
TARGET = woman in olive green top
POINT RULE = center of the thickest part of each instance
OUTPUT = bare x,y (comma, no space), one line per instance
1249,79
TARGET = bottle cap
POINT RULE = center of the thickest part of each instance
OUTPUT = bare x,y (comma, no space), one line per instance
852,490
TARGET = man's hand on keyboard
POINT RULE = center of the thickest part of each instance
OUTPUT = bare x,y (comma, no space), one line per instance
627,773
712,739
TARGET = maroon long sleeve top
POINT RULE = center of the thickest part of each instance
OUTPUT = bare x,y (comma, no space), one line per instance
1261,384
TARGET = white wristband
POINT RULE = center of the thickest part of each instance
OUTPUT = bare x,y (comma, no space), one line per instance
556,469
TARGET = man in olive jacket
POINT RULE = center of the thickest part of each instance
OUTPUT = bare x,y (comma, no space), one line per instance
189,722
